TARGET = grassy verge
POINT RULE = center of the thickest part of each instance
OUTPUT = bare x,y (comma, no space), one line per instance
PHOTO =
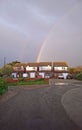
29,82
4,85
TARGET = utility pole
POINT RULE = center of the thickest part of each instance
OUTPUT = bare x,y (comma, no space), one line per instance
52,70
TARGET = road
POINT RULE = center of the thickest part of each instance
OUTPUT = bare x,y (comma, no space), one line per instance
46,107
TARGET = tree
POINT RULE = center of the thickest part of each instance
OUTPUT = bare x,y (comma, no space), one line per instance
71,70
13,63
8,68
79,76
78,69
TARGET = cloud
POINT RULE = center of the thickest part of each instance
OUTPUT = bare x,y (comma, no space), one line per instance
24,24
64,40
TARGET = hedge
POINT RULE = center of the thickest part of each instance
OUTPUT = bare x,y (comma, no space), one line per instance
3,86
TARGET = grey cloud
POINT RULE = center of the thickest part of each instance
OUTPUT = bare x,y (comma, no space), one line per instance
54,7
24,24
64,40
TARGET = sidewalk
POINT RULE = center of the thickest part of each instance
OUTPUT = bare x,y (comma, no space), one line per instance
72,102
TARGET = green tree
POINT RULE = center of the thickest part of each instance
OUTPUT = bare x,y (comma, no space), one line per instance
79,76
13,63
8,68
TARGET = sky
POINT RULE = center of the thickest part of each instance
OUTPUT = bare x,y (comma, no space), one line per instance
41,30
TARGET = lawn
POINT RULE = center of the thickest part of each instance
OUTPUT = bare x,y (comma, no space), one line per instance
29,82
4,84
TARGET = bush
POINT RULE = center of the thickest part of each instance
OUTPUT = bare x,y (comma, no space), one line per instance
3,86
79,76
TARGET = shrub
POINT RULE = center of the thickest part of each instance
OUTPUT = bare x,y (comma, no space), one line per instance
79,76
3,86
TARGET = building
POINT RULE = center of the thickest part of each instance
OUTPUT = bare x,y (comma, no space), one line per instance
41,70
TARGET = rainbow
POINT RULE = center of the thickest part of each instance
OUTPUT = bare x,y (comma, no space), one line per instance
41,49
51,30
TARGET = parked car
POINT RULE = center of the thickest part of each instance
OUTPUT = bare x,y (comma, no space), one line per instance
60,76
69,76
47,75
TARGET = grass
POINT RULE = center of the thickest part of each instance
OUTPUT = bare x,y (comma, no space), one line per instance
4,85
29,82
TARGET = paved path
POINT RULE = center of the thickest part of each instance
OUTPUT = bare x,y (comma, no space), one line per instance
54,107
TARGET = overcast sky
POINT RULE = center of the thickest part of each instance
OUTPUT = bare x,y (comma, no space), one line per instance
41,30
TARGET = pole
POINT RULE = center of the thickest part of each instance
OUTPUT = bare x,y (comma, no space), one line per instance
52,70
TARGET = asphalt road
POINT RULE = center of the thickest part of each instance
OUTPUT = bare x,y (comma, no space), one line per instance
42,107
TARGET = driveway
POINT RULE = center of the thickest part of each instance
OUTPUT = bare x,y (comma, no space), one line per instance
56,106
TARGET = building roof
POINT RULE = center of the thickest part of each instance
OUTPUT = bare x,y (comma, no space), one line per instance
33,64
36,64
45,63
60,64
